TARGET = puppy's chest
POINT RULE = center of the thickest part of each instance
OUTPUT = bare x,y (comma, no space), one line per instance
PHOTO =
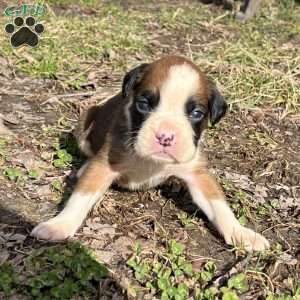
140,175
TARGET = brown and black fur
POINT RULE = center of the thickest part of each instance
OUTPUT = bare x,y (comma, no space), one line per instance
148,132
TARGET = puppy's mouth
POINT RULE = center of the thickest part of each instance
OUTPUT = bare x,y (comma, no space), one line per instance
164,155
159,157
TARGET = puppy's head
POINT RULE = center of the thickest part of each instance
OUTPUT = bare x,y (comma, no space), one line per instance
169,104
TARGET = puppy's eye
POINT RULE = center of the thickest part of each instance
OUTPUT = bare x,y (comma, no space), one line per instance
143,106
196,115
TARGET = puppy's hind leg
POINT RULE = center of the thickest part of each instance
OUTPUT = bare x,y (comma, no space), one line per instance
95,180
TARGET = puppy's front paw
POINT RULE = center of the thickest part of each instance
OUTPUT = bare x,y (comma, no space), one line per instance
55,229
248,239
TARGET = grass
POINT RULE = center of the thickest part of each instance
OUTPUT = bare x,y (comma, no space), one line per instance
87,3
256,65
56,272
170,275
71,44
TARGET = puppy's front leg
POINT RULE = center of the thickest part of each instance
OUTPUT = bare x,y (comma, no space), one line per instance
207,194
95,180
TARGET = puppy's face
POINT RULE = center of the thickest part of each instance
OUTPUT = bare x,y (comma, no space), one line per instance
169,102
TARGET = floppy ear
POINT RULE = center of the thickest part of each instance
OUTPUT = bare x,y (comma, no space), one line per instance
217,106
132,78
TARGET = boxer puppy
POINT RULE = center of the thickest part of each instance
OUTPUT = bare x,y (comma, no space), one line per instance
150,131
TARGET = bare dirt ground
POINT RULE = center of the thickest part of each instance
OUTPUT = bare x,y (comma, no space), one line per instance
254,152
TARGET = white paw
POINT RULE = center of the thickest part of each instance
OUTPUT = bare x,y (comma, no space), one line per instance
248,239
55,229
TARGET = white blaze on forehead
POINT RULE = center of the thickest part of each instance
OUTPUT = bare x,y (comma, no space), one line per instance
181,83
